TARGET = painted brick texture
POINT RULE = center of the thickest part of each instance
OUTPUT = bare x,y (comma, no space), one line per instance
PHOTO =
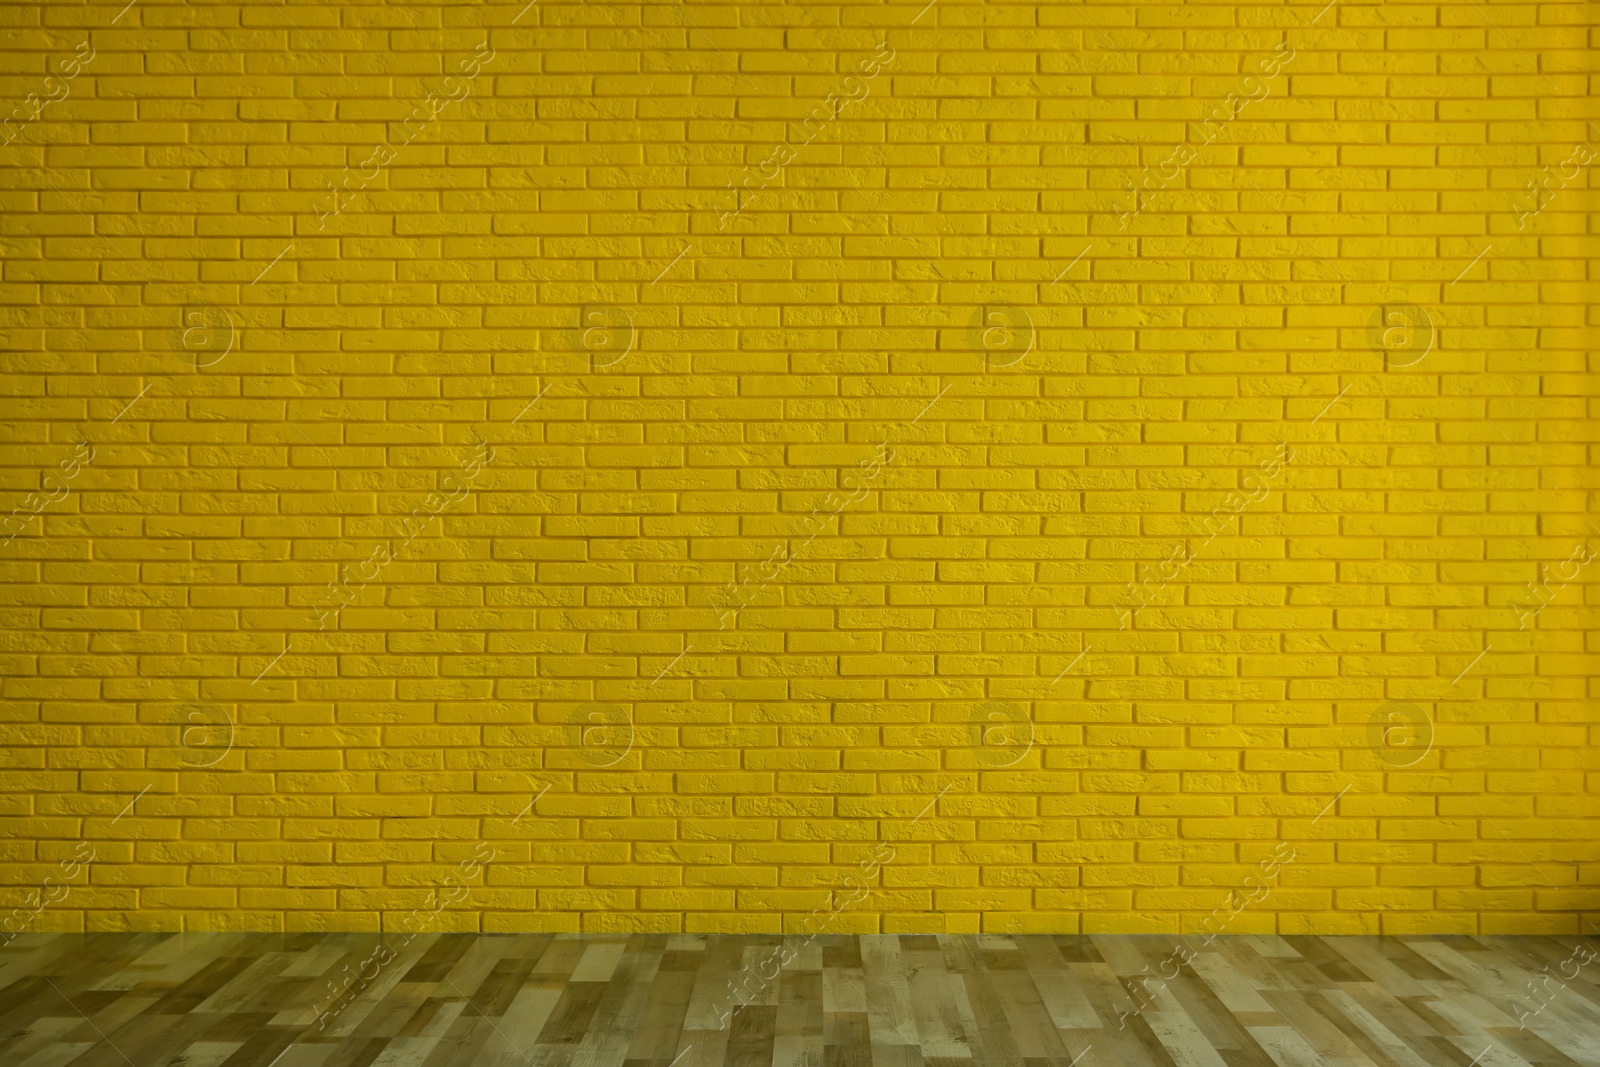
978,466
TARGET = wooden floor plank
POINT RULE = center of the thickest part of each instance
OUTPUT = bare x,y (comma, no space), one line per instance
923,1000
799,1039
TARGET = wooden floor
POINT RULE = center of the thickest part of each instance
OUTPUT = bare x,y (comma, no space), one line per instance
204,1000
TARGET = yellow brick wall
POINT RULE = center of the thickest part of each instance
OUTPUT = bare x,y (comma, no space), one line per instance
965,466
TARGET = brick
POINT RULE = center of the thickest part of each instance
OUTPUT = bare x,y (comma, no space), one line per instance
678,435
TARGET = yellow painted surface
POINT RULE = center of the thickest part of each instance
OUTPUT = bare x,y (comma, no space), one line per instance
1114,467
